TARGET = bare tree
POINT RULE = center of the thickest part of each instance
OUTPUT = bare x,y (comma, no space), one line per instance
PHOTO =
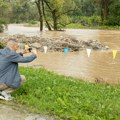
47,23
39,6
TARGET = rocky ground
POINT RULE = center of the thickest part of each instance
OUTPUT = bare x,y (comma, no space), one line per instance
56,44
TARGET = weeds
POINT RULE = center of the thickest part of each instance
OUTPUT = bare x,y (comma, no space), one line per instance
68,98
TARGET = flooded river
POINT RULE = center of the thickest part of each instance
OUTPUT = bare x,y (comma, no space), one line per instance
99,67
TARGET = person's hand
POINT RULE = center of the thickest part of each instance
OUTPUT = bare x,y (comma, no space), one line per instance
34,51
25,51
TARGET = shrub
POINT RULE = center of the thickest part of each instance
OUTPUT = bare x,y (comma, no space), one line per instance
114,20
33,22
2,45
90,21
3,25
1,28
87,21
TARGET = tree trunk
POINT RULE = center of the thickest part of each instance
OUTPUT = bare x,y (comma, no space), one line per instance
39,6
54,16
104,10
47,23
82,7
55,20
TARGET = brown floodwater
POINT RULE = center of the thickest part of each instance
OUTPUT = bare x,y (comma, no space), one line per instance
99,67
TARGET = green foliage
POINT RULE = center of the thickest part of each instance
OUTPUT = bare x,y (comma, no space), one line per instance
93,8
114,21
23,11
79,26
2,45
3,24
32,23
75,26
68,98
60,12
1,28
57,10
63,21
114,13
87,21
5,11
86,8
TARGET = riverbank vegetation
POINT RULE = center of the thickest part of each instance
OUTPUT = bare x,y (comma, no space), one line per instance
67,98
57,14
80,26
92,22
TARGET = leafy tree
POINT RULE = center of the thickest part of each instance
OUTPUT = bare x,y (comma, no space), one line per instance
57,10
114,13
23,11
5,11
104,10
56,14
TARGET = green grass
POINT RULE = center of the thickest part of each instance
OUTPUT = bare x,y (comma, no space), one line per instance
68,98
32,24
78,26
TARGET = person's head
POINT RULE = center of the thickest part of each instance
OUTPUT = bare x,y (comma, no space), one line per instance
12,44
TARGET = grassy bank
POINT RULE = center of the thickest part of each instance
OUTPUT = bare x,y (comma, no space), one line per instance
79,26
32,23
65,97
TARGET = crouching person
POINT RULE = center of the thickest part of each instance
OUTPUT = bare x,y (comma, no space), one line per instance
10,79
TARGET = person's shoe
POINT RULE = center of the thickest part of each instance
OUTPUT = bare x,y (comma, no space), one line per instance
2,97
5,96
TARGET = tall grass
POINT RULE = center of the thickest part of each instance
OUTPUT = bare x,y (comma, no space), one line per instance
80,26
93,22
67,98
32,23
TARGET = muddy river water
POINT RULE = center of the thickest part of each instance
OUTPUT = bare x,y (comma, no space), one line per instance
99,67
